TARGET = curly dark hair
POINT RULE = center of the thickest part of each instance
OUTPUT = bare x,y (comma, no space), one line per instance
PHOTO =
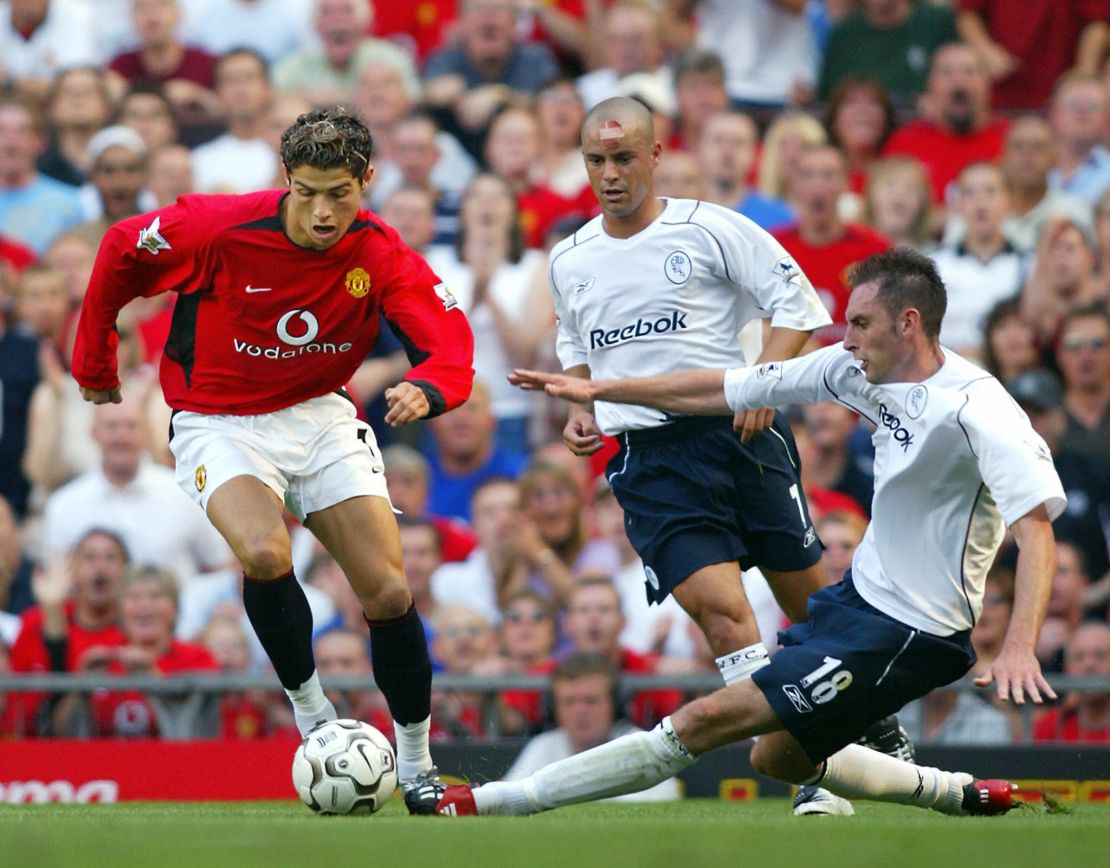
328,139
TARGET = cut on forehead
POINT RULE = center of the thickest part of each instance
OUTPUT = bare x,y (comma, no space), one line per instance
633,117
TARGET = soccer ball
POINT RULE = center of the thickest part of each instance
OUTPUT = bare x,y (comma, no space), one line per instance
345,767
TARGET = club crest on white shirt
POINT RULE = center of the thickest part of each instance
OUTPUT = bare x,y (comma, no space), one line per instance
678,267
916,401
787,269
150,239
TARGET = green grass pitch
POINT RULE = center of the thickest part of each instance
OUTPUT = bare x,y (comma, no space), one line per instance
689,834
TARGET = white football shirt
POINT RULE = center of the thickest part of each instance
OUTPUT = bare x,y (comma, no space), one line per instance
956,460
673,296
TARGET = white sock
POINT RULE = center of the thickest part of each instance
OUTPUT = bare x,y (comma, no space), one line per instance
739,665
625,765
310,705
857,772
413,755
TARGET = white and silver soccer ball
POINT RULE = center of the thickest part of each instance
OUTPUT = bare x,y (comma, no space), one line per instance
345,767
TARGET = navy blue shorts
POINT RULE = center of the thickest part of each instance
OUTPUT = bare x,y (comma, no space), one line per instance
694,495
850,665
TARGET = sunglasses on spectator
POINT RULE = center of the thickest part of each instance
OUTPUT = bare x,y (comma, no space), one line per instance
1076,343
516,617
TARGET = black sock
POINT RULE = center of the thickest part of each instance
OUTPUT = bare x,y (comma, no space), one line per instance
402,668
279,612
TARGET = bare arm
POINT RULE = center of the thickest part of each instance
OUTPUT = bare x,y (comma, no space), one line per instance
1016,670
972,30
695,392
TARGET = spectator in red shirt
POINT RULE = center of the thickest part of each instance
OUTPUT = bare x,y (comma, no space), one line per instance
1027,46
823,245
1084,716
464,644
594,622
527,633
148,612
77,610
957,126
246,714
186,72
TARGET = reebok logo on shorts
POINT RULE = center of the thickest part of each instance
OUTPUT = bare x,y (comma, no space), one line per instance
796,697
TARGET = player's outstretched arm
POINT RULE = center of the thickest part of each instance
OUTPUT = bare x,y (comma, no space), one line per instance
697,392
1016,671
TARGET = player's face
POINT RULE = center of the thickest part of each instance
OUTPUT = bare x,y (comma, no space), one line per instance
321,205
870,336
620,161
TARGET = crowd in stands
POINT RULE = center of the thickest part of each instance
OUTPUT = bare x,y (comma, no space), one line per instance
977,131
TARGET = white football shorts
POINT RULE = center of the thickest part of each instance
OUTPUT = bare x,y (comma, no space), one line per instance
313,455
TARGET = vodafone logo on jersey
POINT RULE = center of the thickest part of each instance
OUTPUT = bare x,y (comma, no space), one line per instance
297,328
311,328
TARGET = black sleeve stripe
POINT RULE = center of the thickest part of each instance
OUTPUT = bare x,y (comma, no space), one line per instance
577,243
182,341
415,355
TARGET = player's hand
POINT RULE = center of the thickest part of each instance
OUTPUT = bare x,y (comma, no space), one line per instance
581,433
748,423
1017,675
102,396
576,389
407,403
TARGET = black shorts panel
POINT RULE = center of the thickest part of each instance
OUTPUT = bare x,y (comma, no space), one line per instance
850,665
694,495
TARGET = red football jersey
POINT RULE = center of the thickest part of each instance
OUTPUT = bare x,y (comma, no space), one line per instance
944,154
827,268
261,324
127,713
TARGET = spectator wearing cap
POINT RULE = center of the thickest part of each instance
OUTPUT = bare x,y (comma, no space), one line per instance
1086,480
117,175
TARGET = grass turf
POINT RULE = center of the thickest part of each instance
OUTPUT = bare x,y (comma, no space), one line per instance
689,834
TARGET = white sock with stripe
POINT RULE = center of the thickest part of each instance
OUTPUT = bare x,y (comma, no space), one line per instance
857,772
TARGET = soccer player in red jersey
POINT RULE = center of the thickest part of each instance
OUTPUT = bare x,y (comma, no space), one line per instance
280,295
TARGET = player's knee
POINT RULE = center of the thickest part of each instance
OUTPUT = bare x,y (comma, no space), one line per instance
264,557
390,601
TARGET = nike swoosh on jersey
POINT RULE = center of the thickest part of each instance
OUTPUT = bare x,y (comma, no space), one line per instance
258,288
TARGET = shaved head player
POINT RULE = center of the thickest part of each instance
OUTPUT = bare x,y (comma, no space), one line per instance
280,294
659,285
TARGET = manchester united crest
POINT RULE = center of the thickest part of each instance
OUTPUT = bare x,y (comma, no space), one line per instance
358,282
200,477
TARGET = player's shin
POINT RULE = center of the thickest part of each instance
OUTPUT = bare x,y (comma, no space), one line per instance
625,765
403,672
857,772
280,615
